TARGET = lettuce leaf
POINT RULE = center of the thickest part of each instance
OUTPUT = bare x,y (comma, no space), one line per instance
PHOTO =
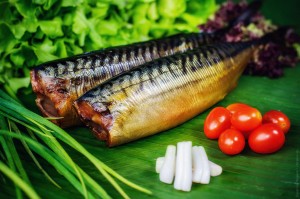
32,32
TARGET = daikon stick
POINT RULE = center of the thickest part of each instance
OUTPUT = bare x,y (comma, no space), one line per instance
179,166
159,163
189,165
187,171
183,174
205,178
168,168
215,170
197,165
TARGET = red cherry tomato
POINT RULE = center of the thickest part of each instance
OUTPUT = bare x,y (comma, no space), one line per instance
231,142
245,133
279,118
217,121
268,138
246,119
235,107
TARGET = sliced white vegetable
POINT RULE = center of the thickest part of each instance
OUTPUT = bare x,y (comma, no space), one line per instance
159,163
168,168
187,172
183,174
189,165
205,179
197,165
215,170
179,166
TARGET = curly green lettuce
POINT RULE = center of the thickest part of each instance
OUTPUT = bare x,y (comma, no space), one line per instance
32,32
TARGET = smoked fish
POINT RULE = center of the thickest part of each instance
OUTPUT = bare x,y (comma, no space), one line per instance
58,83
163,93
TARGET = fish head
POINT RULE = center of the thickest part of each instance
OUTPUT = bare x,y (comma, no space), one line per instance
53,98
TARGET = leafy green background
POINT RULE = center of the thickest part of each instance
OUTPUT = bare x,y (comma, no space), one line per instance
247,175
33,32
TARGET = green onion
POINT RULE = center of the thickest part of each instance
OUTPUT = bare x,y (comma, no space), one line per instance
30,153
53,152
18,181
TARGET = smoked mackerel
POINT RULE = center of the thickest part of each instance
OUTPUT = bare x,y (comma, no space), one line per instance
58,83
163,93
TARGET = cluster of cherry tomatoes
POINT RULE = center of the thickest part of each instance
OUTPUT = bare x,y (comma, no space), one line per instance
239,122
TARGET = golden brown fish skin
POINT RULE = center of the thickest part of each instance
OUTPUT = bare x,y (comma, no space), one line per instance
58,83
162,94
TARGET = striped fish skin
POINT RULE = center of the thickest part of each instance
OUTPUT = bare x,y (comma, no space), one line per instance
58,83
163,93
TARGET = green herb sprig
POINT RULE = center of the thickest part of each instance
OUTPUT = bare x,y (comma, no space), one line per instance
40,129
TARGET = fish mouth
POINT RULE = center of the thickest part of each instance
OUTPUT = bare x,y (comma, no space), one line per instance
98,122
54,100
46,106
43,101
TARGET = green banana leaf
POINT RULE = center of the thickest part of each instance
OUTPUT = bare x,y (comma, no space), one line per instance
248,175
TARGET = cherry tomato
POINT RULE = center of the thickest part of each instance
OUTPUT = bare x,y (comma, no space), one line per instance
235,107
268,138
245,133
217,121
231,142
279,118
246,119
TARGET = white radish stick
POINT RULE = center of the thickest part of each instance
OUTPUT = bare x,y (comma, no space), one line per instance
159,163
168,168
179,166
206,171
215,170
187,167
197,165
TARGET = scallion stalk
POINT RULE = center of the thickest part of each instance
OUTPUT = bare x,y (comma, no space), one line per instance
18,181
52,151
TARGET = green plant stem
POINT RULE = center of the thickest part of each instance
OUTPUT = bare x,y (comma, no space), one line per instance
62,135
17,159
52,158
18,181
10,162
12,156
97,189
48,138
15,129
